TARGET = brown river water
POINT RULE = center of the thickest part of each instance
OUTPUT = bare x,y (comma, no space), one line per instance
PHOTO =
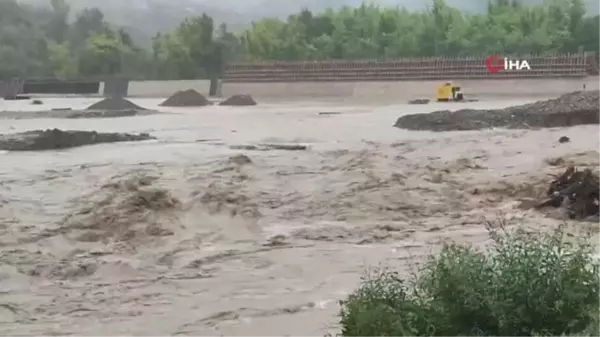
266,247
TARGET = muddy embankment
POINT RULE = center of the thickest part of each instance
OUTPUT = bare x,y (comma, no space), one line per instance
54,139
571,109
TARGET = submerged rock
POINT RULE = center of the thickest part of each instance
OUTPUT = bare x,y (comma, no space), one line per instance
564,139
419,101
52,139
239,100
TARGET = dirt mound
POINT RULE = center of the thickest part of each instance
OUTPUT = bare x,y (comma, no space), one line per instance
188,97
567,110
50,139
114,104
124,210
239,100
577,191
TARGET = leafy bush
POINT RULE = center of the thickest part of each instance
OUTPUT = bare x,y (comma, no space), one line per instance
525,285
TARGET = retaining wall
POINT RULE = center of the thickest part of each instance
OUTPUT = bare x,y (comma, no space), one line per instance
369,91
405,90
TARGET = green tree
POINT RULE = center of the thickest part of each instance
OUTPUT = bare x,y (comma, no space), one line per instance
58,26
101,56
61,60
369,31
42,42
88,22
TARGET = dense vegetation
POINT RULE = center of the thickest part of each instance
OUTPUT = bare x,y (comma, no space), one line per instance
525,286
38,42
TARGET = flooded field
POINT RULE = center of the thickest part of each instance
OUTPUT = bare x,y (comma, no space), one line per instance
206,230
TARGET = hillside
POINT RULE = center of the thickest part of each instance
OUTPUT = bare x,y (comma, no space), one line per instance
144,18
256,9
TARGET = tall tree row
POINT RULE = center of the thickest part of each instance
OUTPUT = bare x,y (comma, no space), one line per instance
40,42
55,42
373,32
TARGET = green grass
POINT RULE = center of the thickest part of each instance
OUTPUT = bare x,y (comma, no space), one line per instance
525,285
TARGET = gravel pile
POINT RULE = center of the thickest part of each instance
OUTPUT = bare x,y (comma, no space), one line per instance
575,108
239,100
184,98
114,104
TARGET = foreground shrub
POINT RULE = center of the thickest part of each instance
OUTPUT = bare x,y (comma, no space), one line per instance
525,285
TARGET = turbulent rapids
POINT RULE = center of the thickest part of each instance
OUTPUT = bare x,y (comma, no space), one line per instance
256,221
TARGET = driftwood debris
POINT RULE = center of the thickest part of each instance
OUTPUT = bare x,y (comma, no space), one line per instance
419,101
577,191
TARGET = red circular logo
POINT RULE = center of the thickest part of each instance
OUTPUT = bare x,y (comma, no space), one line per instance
494,63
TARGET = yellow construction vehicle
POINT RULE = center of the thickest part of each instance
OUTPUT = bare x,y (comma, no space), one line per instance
449,92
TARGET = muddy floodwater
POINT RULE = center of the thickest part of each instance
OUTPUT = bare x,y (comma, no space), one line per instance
184,236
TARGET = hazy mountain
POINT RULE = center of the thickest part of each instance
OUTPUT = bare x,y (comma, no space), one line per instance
281,8
143,18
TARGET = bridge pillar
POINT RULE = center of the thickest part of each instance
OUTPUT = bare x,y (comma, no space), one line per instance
116,88
10,89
